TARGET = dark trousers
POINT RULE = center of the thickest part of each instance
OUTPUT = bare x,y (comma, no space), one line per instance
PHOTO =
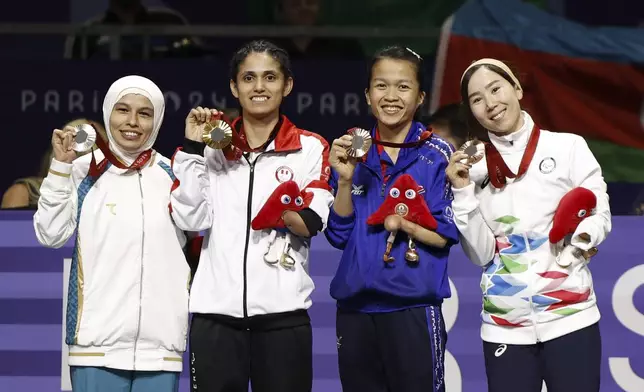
400,351
225,357
569,363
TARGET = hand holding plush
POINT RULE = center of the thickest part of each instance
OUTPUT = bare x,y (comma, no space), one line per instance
576,205
286,197
405,201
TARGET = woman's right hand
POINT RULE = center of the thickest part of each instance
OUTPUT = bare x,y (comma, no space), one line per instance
340,160
61,143
195,121
458,172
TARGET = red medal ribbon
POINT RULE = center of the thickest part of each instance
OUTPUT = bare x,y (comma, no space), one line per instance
497,169
96,170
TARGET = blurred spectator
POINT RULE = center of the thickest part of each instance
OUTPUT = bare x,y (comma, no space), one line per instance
24,192
638,206
133,12
307,13
447,123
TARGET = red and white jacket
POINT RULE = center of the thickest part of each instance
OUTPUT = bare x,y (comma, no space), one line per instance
223,196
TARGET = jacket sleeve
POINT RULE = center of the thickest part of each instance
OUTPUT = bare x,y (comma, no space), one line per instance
586,172
316,179
55,218
339,228
439,199
190,200
477,239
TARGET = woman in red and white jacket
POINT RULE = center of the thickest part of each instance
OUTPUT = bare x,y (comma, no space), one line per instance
540,316
250,316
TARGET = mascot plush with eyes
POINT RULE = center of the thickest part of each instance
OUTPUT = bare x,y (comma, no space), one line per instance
405,200
576,205
286,197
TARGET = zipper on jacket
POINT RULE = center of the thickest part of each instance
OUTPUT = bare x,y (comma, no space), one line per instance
138,326
249,211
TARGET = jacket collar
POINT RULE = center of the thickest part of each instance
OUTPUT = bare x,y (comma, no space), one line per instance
516,141
284,137
406,156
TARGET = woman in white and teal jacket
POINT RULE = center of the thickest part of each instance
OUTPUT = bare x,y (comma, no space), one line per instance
540,320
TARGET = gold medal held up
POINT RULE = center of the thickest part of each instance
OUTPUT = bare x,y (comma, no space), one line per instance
360,143
84,138
217,134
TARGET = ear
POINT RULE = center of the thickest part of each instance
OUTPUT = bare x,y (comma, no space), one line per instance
519,92
288,86
366,95
233,89
421,99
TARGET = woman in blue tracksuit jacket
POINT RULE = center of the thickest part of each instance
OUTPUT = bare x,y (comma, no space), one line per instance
390,330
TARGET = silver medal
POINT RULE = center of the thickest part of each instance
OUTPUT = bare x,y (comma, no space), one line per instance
84,138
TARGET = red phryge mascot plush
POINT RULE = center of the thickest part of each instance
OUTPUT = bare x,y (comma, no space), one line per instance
405,199
286,197
576,205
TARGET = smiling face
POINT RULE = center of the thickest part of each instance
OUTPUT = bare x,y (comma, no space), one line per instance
494,101
132,121
260,85
394,92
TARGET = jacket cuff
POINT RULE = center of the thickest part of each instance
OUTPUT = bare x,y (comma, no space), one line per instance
60,173
192,147
465,200
338,220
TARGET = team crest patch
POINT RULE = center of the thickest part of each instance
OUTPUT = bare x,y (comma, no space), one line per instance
547,165
283,174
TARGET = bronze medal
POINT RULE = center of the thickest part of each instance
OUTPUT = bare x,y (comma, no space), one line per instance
360,142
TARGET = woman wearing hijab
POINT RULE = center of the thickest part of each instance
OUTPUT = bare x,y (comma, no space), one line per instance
127,310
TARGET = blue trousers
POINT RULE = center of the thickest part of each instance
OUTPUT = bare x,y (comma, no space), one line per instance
401,351
99,379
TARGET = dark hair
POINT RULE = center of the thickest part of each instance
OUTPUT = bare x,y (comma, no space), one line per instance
472,123
398,52
261,46
452,114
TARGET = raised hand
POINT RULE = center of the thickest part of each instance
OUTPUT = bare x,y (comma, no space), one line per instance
340,160
61,142
196,120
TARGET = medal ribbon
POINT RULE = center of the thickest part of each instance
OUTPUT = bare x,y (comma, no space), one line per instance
498,170
96,170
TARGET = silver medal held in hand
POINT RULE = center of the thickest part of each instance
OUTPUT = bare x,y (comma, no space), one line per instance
360,142
84,138
217,134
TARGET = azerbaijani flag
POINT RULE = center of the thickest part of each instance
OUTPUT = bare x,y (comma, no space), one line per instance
578,79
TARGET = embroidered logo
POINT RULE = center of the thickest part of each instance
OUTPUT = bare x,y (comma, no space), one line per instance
547,165
284,174
339,341
357,190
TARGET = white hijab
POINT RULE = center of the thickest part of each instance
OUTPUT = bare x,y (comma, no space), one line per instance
133,84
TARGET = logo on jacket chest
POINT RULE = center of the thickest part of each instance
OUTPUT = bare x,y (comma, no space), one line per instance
284,174
547,165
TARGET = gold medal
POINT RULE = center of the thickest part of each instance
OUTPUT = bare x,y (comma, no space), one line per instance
474,149
360,142
84,138
217,134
